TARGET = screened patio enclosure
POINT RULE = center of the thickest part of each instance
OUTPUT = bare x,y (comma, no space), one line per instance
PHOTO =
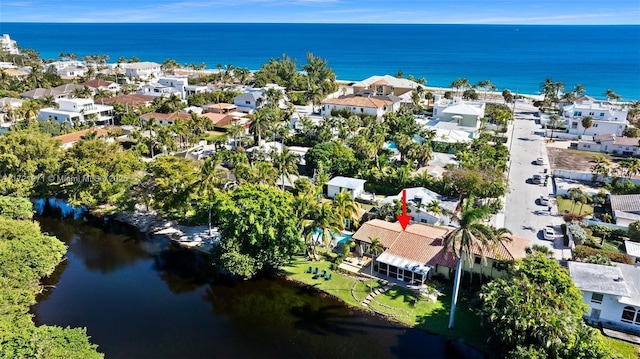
403,269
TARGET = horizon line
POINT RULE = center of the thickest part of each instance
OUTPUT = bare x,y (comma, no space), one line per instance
304,23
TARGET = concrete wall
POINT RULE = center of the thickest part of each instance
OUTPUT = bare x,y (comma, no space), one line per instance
585,176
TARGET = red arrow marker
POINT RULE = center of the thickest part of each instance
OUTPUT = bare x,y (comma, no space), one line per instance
404,219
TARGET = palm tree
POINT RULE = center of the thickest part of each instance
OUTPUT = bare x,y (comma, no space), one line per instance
286,163
326,220
587,123
151,125
579,90
347,208
211,178
375,249
471,235
600,168
574,194
260,124
554,121
612,95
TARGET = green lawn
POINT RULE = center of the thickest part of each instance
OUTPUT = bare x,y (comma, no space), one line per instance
627,350
427,315
564,206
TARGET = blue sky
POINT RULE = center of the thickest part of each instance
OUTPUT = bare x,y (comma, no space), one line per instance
326,11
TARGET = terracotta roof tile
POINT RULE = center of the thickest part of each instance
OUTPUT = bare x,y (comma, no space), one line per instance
424,244
75,136
358,101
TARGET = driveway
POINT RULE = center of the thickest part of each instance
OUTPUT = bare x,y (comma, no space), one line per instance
524,216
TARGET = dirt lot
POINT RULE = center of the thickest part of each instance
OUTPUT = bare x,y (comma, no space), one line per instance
566,159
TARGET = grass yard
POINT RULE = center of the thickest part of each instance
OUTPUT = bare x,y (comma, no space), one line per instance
408,306
627,350
564,206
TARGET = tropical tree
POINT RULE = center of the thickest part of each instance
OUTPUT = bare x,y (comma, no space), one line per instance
574,194
460,84
507,96
587,123
471,236
325,221
579,90
600,168
612,95
286,163
151,126
375,249
211,178
347,208
553,123
258,230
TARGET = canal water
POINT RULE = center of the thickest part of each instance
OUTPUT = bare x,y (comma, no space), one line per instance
142,297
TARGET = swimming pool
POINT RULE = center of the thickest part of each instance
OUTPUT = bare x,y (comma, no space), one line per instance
339,238
390,145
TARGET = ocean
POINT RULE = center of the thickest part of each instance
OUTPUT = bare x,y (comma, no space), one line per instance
517,57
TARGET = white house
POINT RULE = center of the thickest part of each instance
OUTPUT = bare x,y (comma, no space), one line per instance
98,84
625,208
72,72
8,106
607,118
463,113
363,103
610,143
157,90
354,186
249,101
633,250
388,85
139,70
612,294
177,83
9,45
81,110
418,198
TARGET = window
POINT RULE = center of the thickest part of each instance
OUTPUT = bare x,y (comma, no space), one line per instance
574,125
591,113
596,298
423,220
577,113
595,314
477,260
628,314
248,102
596,125
601,114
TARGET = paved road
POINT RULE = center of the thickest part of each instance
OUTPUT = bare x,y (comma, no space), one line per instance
527,144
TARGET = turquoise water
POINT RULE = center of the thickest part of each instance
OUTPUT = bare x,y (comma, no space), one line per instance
340,238
390,145
518,57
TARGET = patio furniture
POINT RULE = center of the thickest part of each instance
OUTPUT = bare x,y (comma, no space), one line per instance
309,270
324,273
315,271
328,277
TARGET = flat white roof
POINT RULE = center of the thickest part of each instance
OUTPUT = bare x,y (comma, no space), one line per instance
346,182
632,248
599,278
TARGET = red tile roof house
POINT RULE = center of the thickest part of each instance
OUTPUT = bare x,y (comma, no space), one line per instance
416,254
70,138
218,119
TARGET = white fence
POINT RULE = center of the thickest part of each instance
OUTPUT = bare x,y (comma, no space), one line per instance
560,134
587,176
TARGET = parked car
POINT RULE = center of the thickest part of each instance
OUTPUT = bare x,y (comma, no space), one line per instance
539,161
549,233
537,179
544,200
